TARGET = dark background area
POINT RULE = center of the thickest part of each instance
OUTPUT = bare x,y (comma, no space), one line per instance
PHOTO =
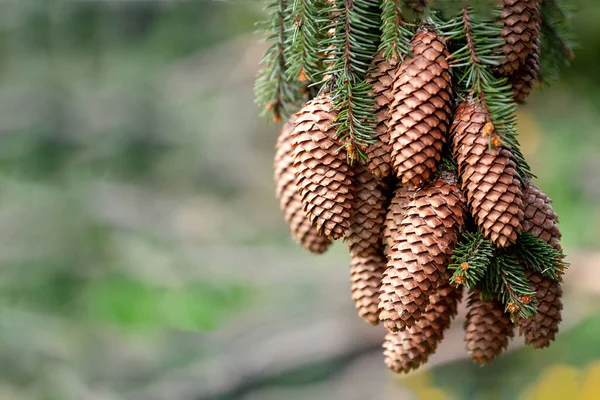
142,253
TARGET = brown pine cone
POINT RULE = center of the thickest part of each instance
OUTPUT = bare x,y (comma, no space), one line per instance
488,176
364,237
408,350
540,219
365,280
528,74
322,173
488,329
381,77
289,198
395,214
421,252
521,27
541,329
420,111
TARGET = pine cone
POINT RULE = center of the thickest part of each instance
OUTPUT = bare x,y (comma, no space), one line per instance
528,74
322,174
365,279
289,198
395,214
540,219
488,329
368,214
381,77
521,27
488,176
421,252
420,111
541,329
408,350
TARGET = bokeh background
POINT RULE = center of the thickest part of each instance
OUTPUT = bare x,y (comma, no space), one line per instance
142,252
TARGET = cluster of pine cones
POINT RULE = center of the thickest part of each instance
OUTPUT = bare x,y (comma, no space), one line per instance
402,212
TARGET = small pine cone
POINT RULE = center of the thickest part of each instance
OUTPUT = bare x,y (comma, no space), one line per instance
540,219
408,350
322,174
395,214
364,237
541,329
528,74
421,252
289,198
488,329
521,28
420,111
381,77
489,176
365,280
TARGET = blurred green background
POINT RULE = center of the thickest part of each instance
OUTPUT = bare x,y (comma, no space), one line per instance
142,253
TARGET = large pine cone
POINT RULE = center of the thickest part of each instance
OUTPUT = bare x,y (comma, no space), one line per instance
289,198
420,255
395,213
528,74
521,27
323,176
488,176
540,219
420,111
365,280
364,237
407,350
381,77
541,329
488,329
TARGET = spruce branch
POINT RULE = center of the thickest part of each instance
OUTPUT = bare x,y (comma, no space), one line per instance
475,60
395,32
350,49
540,256
471,259
506,278
276,95
556,40
305,30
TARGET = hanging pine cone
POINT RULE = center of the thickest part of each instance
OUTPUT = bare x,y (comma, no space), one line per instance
521,27
489,176
540,219
381,77
322,174
541,329
488,329
364,237
289,198
395,214
528,74
407,350
420,111
421,252
365,280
